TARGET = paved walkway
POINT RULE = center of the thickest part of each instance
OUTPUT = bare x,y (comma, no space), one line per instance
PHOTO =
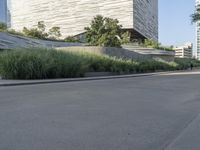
48,81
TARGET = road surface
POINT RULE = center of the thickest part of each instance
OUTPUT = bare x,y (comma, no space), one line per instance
143,113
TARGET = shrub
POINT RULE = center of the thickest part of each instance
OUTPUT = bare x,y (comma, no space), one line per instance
71,39
3,26
35,33
54,33
40,32
12,31
105,31
40,64
153,44
153,65
184,63
195,62
44,64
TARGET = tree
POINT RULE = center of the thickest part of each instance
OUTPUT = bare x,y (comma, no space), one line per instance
54,33
38,32
105,31
35,33
41,26
172,47
196,16
3,26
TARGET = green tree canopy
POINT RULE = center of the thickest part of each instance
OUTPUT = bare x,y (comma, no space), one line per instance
105,31
71,39
196,16
41,26
3,26
54,32
40,31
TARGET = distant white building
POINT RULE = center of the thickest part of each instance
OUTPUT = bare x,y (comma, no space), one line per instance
197,34
184,51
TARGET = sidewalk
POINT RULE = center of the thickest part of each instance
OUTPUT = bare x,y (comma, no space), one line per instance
48,81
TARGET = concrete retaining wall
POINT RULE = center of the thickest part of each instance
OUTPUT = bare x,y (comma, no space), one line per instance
123,53
10,41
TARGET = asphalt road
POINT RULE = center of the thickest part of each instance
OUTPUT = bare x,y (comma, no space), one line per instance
143,113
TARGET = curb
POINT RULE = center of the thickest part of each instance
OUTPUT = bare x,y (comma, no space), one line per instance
50,81
36,82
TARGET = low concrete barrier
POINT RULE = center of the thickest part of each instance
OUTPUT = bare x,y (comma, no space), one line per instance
10,41
124,53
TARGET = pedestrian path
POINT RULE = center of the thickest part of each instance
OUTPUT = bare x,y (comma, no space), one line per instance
48,81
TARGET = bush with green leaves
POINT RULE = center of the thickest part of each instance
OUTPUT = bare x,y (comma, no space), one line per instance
153,44
40,32
12,31
45,64
71,39
184,63
105,31
54,33
34,33
3,27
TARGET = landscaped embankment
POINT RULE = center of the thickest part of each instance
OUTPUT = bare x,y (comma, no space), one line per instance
11,41
50,63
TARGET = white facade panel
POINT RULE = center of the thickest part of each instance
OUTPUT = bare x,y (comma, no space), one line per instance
73,15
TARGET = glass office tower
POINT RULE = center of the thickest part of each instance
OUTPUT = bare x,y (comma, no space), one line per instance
3,11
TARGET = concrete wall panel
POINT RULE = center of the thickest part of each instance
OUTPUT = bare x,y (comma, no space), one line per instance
73,15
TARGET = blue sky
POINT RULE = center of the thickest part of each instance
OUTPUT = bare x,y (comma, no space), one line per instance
2,10
175,26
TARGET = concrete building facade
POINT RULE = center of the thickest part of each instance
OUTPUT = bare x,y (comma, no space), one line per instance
3,8
184,51
140,17
197,55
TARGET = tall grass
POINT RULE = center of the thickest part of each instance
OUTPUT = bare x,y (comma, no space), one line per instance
50,63
184,63
40,64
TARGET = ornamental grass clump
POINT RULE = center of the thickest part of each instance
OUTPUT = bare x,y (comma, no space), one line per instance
40,64
37,63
